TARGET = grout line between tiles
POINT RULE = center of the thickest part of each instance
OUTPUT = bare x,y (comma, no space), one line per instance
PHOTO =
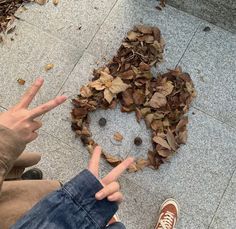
188,44
222,196
49,34
87,46
217,119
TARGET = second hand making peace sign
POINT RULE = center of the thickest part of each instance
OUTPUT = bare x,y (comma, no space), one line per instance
109,182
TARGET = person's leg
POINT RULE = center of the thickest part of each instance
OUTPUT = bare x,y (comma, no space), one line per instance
18,197
169,214
117,225
23,161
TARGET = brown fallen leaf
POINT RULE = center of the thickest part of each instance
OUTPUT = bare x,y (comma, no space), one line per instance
127,97
113,160
85,91
163,3
118,86
144,29
21,81
40,2
55,2
118,137
133,168
161,142
139,97
142,163
171,140
158,100
148,119
166,88
164,152
132,36
48,67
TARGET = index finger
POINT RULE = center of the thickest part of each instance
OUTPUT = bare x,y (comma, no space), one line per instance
117,171
30,93
93,166
44,108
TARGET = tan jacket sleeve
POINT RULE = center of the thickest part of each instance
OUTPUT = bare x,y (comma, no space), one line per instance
10,149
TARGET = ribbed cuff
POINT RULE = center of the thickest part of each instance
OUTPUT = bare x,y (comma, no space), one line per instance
82,190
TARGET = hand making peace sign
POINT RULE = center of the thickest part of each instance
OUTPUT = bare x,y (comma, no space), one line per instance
22,120
111,189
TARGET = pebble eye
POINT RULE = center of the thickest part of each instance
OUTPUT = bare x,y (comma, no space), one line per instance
138,141
102,122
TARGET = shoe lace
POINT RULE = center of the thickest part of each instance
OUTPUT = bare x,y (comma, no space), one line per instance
167,221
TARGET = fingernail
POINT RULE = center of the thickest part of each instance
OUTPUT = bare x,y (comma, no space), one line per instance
40,79
99,196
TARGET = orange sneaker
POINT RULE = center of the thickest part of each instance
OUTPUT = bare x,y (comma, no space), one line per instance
114,219
169,213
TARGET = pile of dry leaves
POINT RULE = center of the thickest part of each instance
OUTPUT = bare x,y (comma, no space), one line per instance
7,11
161,101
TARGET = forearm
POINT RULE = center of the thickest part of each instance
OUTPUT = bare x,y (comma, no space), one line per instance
10,149
73,206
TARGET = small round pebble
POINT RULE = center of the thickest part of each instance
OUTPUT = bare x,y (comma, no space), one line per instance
102,122
207,29
138,141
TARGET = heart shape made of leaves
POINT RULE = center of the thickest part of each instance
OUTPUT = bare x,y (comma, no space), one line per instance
161,101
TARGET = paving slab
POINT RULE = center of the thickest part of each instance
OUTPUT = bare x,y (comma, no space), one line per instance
26,57
140,208
199,173
177,29
58,121
226,214
74,22
211,60
57,157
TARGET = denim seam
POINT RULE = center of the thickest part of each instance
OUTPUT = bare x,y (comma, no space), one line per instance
76,203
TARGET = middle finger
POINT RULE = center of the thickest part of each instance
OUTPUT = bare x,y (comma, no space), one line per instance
44,108
108,190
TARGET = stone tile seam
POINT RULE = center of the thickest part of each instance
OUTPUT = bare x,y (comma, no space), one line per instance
47,33
190,41
86,47
222,196
215,118
184,12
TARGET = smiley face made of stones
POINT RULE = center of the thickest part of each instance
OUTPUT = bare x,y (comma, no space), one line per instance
162,101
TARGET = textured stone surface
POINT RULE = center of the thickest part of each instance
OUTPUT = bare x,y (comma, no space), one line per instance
198,174
221,13
177,29
58,121
57,157
74,21
210,60
140,208
26,57
226,214
127,126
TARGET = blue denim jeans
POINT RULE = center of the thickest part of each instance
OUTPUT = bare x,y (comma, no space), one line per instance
72,207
